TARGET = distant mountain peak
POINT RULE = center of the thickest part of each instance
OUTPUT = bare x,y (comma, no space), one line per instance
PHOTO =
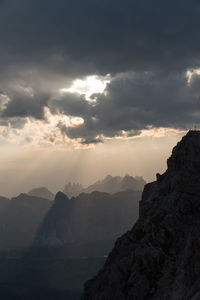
61,197
42,192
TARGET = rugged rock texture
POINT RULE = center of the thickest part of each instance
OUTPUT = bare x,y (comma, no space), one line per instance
88,217
160,257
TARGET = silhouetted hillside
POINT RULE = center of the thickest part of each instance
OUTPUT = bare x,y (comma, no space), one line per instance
20,220
4,203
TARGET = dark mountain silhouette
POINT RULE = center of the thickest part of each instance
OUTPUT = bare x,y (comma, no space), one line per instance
88,217
109,185
4,203
20,219
159,258
41,192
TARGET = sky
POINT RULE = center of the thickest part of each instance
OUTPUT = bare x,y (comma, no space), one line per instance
89,88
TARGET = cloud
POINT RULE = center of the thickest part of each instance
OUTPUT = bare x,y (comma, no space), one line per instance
25,103
77,38
146,46
70,104
91,141
132,102
136,101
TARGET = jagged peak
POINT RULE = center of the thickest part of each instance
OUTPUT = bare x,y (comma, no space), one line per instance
61,197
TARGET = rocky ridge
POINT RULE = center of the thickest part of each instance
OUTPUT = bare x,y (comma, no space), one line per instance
159,258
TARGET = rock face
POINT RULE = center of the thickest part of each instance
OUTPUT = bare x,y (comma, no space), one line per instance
160,257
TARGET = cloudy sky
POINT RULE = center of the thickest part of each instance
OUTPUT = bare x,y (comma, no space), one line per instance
94,87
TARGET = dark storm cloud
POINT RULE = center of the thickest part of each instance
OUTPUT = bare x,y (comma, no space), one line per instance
24,104
70,104
81,37
91,141
135,101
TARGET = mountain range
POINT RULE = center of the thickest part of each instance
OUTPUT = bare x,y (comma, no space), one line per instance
110,184
89,217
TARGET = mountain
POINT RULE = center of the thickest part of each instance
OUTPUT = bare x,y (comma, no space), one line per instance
4,203
72,241
159,258
109,185
20,219
117,184
41,192
55,228
88,218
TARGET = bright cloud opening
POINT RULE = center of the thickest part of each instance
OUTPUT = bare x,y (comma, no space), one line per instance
190,73
88,86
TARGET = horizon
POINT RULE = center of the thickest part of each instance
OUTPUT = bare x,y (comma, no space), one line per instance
53,169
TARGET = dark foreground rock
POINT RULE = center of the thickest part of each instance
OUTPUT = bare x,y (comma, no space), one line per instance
160,257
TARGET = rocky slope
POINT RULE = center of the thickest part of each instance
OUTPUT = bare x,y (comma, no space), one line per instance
160,257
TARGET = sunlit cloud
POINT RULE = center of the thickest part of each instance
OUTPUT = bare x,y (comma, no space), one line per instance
191,73
88,86
38,132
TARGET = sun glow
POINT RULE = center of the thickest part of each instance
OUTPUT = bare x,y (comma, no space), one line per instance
88,86
190,73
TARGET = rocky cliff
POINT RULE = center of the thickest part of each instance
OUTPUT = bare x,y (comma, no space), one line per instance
160,257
